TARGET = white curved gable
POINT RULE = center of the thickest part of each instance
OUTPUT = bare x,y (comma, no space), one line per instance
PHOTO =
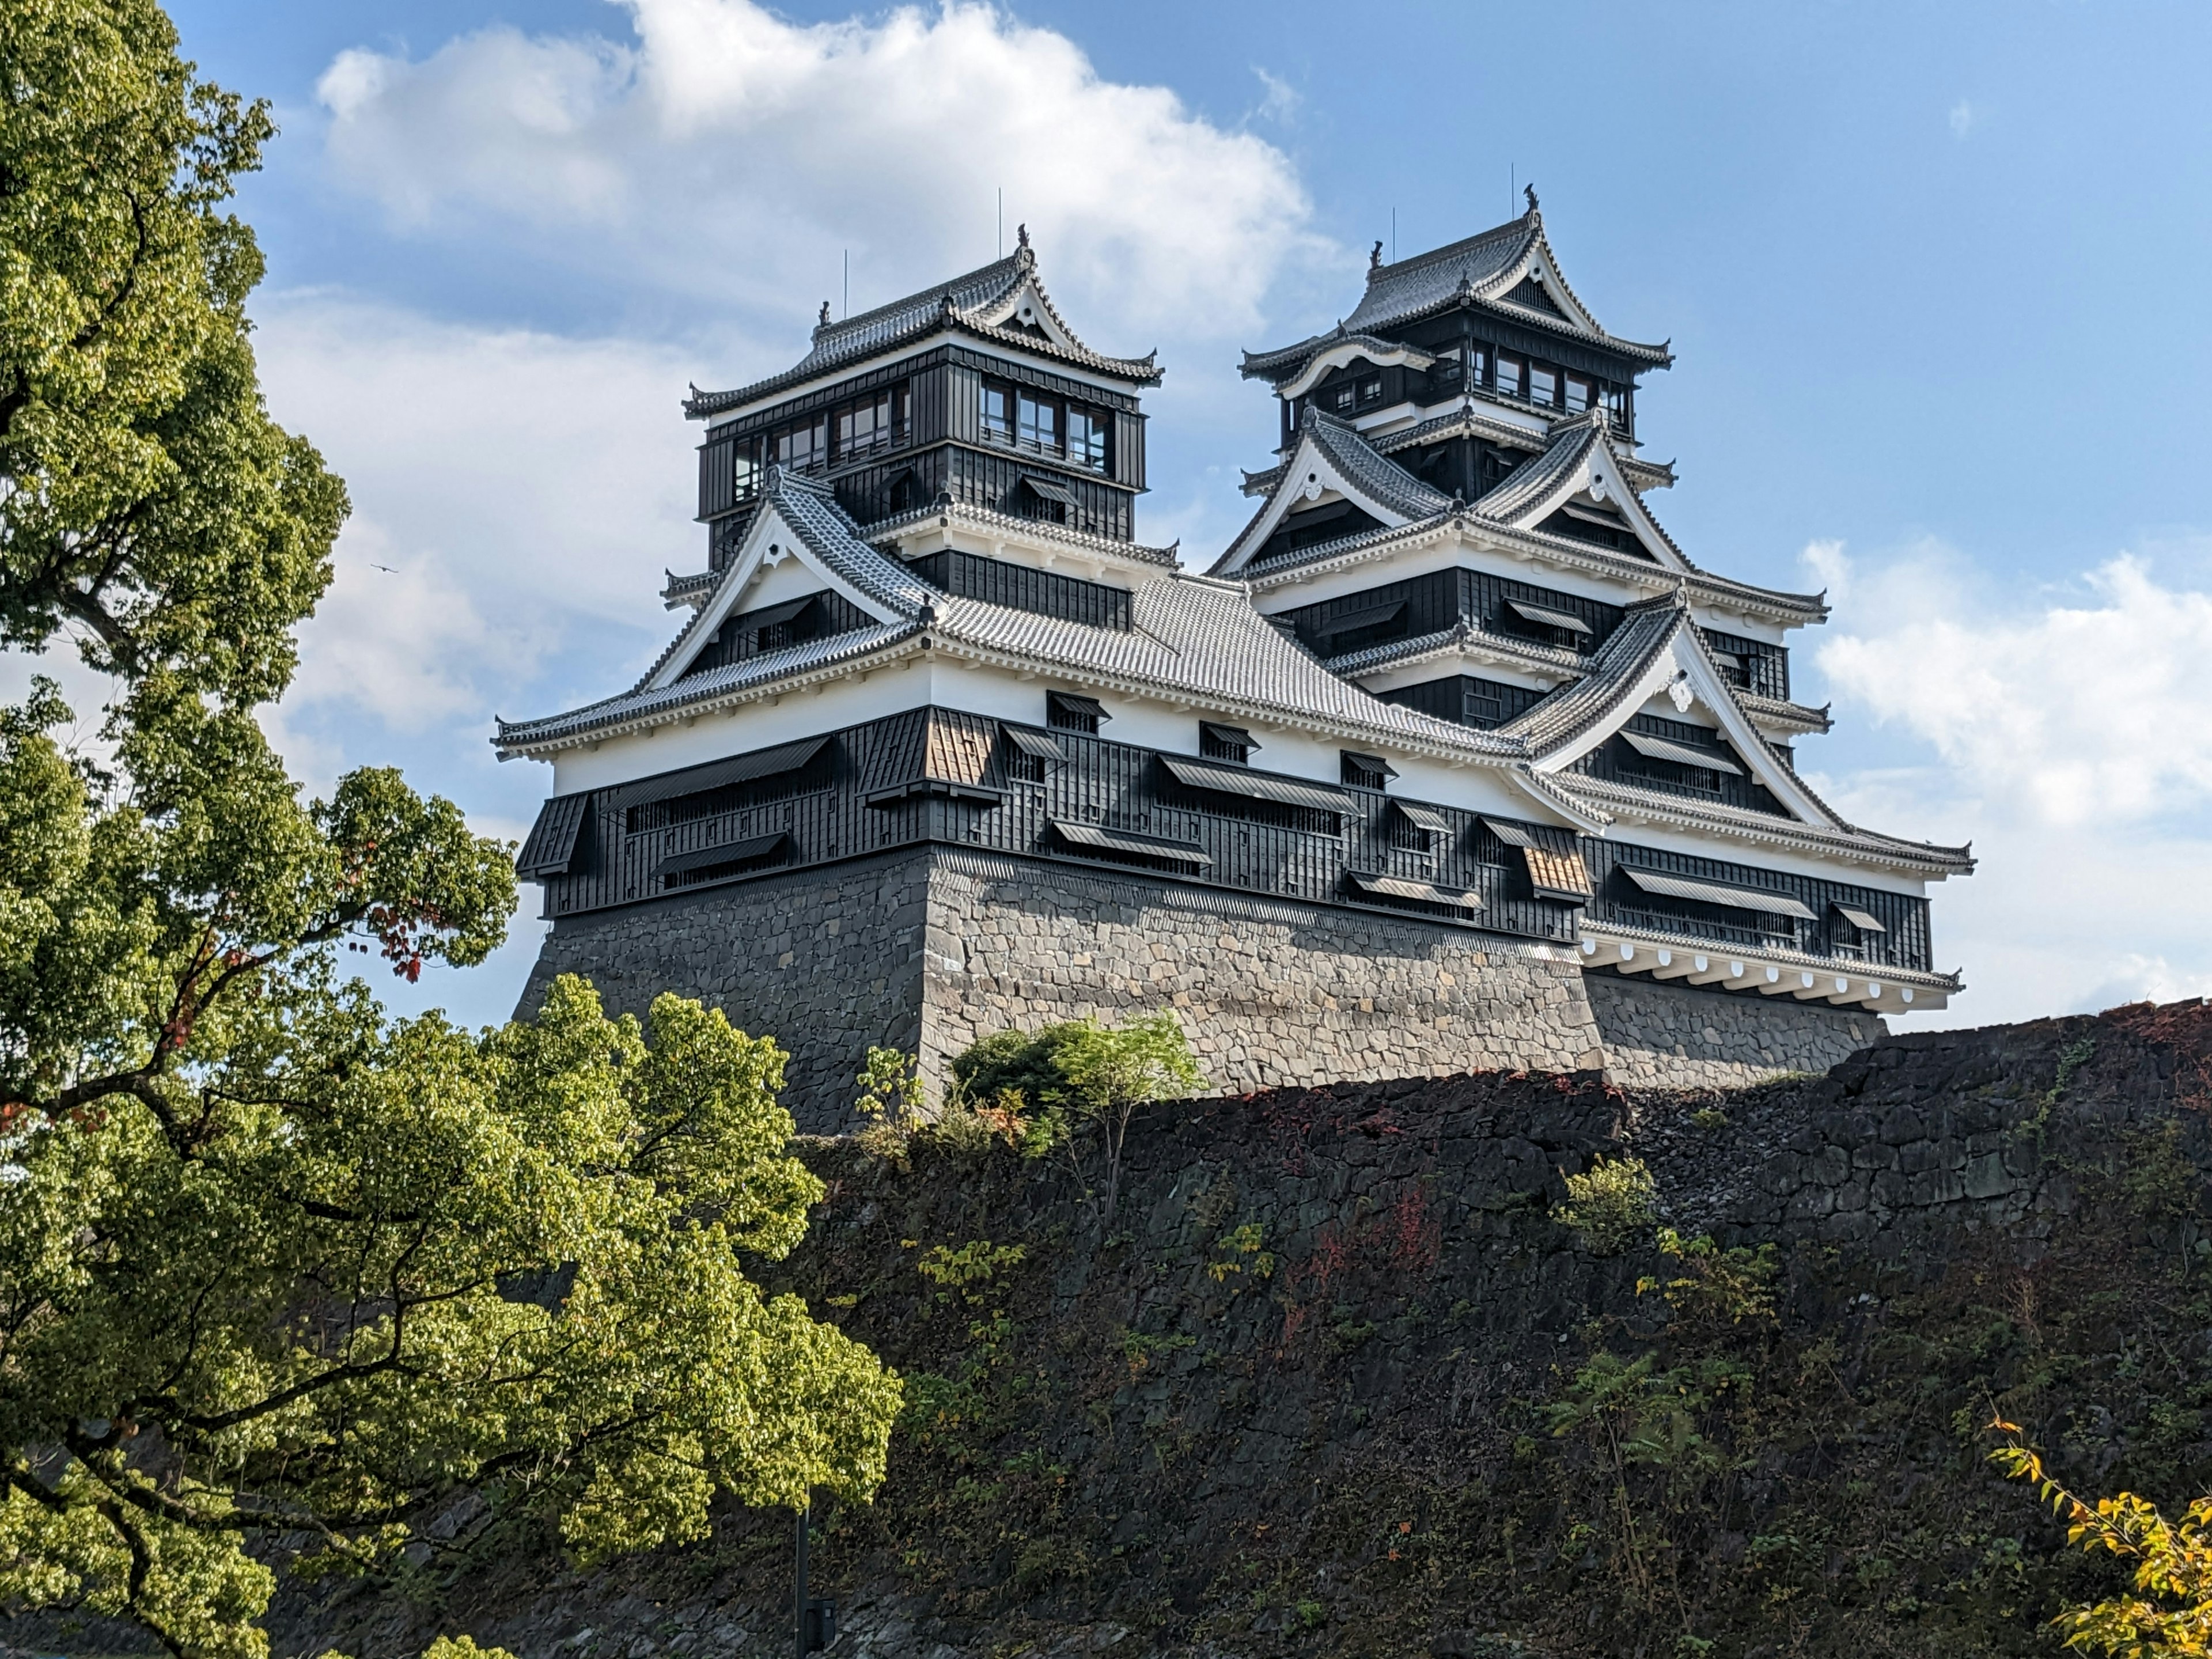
772,563
1686,674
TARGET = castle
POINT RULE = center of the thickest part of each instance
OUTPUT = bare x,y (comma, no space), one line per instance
1452,759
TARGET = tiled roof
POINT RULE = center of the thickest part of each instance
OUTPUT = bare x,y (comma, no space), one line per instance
1471,271
1205,639
1373,658
1192,637
1537,476
1613,668
1466,422
1609,796
1413,288
1374,473
641,704
984,518
1260,365
965,301
1567,549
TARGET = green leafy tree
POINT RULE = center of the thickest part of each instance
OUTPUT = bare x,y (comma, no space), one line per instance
281,1279
2169,1616
1108,1071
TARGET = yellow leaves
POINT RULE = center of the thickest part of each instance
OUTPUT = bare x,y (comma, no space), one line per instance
2173,1563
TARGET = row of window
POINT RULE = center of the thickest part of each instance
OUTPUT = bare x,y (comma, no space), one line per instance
1045,425
858,426
878,421
1506,373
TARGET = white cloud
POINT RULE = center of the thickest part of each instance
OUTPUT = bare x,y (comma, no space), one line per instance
2089,710
731,155
1282,101
1963,116
523,491
2071,742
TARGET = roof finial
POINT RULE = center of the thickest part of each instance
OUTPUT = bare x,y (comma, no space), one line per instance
1022,235
1529,191
1375,259
822,321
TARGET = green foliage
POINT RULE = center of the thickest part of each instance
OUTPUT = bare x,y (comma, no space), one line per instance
322,1294
1027,1062
1717,1286
1140,1349
1081,1074
279,1279
1615,1200
1245,1248
2170,1614
1109,1071
154,511
968,1270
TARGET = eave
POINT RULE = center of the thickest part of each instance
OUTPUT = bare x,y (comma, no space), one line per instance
1791,973
1793,610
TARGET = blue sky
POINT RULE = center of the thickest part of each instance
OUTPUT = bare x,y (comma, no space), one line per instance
1933,275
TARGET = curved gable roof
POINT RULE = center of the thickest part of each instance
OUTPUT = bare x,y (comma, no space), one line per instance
1658,647
984,302
1482,269
1330,454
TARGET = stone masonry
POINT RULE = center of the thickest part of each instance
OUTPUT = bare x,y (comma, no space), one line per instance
928,950
1660,1035
1270,994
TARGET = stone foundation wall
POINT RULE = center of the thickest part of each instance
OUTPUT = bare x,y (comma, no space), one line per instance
928,949
1658,1034
1270,994
827,962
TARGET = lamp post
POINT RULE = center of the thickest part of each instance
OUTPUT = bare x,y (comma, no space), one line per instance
814,1622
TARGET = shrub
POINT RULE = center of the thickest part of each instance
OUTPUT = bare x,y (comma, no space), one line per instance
1611,1204
1027,1062
1081,1071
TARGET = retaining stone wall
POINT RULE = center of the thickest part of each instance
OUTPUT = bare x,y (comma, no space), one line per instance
828,962
1270,994
1658,1034
928,949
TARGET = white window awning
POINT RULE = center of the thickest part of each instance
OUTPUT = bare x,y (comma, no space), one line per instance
1427,892
1548,617
1227,780
1124,840
1034,743
1682,754
1714,892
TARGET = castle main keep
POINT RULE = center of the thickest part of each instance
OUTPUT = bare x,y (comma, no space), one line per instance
1453,759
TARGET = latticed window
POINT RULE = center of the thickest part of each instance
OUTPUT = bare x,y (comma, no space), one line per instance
1512,376
1225,743
1366,771
873,422
998,413
1543,385
1065,711
802,445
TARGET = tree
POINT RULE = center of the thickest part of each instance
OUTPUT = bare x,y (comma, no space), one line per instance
2170,1614
1109,1071
281,1279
